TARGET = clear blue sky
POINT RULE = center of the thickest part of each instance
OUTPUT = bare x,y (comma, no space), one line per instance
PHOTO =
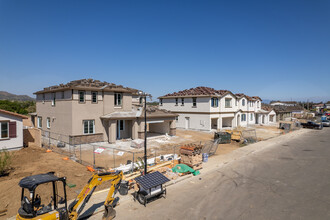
276,49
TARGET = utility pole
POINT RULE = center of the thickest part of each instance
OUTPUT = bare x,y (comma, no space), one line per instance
145,134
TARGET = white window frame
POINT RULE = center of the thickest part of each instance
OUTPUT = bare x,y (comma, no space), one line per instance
39,122
53,98
243,117
182,101
89,122
48,122
176,101
4,122
161,102
214,102
243,102
230,100
118,99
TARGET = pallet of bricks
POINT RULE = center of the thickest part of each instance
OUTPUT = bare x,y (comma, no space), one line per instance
191,155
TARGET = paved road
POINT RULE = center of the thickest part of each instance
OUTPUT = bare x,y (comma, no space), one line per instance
290,180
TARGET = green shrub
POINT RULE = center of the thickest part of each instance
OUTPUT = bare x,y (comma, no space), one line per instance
5,160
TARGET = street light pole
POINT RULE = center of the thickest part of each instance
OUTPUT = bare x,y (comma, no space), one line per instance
145,134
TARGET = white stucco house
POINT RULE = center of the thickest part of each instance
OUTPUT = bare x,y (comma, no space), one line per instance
204,108
11,130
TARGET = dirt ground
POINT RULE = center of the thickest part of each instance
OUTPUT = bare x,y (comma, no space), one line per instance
31,161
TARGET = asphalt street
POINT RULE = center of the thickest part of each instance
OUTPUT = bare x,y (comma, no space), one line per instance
288,181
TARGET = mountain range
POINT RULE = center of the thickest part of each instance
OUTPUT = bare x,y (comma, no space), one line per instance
9,96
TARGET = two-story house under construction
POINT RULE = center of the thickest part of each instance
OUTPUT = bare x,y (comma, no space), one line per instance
93,111
204,108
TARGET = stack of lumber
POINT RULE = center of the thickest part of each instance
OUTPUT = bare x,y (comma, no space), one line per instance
191,155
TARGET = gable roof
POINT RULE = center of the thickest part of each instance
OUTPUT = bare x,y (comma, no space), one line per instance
197,91
13,114
88,84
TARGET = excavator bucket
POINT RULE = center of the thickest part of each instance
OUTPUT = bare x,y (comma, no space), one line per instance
109,213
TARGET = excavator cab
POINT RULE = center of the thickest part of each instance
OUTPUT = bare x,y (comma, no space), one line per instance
35,206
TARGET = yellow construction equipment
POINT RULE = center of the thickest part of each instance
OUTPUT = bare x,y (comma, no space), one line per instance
32,208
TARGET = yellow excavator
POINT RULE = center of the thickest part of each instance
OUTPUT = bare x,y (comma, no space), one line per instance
32,207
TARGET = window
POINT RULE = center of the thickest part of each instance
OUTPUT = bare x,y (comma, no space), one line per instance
39,122
53,99
251,117
43,97
89,127
118,99
81,96
182,101
194,102
258,104
214,102
176,101
4,126
161,102
48,122
228,103
62,95
177,118
243,102
243,117
141,100
94,97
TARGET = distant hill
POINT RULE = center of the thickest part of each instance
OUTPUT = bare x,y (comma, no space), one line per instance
8,96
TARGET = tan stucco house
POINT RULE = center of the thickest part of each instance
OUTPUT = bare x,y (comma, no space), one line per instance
89,111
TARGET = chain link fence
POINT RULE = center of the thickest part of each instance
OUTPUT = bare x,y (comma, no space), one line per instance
98,155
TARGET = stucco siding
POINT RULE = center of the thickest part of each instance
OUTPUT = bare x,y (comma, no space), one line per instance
16,142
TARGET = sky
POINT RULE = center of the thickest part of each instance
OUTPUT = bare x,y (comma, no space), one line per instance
275,49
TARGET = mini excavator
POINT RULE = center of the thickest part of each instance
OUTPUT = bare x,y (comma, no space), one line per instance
32,207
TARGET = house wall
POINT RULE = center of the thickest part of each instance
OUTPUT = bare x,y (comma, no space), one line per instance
68,114
16,142
222,105
61,116
196,121
203,105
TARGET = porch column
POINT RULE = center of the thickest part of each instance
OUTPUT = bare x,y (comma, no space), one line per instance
112,131
141,130
219,127
135,129
172,128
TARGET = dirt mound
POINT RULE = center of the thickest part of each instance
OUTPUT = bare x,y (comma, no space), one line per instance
31,161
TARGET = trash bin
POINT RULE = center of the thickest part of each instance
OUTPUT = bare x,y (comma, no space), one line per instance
205,157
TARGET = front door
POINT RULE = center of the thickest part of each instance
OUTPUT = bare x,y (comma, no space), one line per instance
120,127
187,125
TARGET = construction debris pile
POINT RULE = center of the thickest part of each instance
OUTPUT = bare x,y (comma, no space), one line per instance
191,155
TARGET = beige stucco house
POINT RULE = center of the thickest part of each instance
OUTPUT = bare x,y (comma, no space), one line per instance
93,111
